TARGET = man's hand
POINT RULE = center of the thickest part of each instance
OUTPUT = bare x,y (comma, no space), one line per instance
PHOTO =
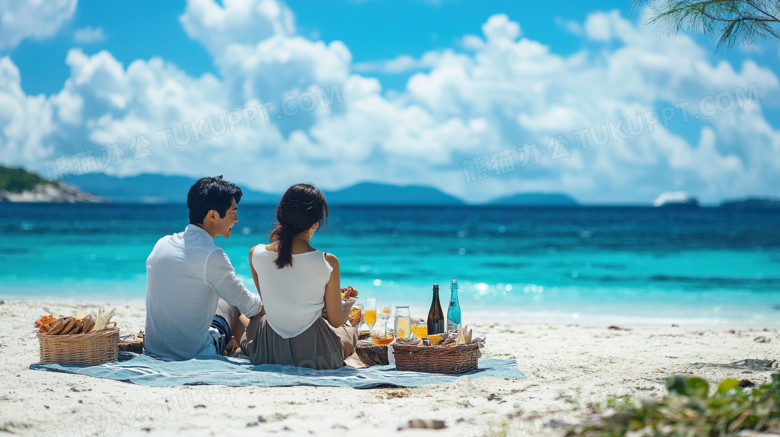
231,347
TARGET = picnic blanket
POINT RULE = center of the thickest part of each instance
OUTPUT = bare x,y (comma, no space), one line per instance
238,372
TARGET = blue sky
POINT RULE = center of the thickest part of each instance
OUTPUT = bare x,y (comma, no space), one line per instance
425,86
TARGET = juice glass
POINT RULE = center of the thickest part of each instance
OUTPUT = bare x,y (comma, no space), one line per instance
369,313
420,329
403,322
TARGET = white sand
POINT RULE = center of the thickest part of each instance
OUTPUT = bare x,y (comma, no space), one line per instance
566,365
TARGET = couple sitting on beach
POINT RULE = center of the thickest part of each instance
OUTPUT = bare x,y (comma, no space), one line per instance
197,307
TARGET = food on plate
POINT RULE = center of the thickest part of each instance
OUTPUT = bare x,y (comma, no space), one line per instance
349,292
355,316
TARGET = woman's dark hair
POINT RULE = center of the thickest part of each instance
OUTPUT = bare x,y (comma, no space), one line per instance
301,206
211,193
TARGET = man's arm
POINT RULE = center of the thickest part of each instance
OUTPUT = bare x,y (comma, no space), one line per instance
221,276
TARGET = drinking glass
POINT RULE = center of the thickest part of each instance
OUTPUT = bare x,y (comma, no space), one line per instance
384,314
381,336
420,329
403,321
369,315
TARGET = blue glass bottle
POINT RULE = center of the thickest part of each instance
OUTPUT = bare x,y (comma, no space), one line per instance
453,313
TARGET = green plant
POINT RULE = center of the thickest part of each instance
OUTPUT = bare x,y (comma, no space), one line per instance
689,410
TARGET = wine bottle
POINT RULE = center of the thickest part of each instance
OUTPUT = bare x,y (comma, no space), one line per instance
435,315
453,312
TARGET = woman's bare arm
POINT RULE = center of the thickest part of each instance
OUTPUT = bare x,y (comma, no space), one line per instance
333,293
257,283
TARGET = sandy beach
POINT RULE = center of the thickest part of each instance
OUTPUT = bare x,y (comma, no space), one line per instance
567,366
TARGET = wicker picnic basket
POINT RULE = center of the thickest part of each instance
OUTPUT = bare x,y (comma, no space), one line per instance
437,359
86,349
371,354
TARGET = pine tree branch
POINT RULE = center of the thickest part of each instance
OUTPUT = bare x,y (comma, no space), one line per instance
736,21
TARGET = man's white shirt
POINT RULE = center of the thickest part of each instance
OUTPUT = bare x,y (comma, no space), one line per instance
186,274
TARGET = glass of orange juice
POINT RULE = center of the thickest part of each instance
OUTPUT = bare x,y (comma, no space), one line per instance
420,329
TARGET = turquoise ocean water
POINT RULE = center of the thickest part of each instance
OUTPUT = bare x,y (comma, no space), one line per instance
704,265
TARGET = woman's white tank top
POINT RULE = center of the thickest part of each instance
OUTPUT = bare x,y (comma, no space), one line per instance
294,296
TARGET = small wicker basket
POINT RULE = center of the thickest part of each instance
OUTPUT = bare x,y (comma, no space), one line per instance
371,354
86,349
437,359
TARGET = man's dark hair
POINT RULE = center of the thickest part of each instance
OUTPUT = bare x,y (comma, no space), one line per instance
211,193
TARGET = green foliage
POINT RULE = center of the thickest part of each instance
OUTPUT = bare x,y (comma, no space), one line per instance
734,22
679,384
17,180
689,410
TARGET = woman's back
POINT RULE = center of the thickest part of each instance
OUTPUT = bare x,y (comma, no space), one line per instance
293,296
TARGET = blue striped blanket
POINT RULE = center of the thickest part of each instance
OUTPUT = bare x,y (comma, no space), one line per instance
237,372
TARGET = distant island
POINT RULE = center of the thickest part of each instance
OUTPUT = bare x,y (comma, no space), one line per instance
19,185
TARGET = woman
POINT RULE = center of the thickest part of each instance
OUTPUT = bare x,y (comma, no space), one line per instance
295,281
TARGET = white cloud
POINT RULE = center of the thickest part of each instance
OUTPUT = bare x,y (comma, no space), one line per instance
570,26
32,19
506,91
236,22
499,27
86,35
26,121
401,64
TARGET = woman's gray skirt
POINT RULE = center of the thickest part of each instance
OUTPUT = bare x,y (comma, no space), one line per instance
321,346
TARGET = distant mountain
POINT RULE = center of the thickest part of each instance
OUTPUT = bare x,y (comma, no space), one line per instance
153,188
369,193
19,185
752,203
535,199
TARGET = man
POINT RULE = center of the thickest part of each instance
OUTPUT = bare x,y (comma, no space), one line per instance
193,297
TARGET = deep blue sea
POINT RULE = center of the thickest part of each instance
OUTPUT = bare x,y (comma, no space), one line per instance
640,264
